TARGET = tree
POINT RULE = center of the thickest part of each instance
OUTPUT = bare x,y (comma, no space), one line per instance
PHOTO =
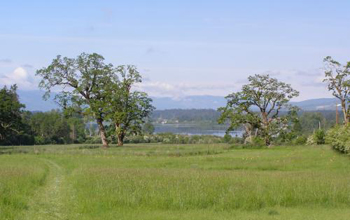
54,128
148,128
12,128
338,78
77,129
50,128
257,107
127,109
82,81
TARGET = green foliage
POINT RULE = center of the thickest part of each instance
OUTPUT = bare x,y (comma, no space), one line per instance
255,142
268,96
339,138
86,77
320,136
227,138
96,91
170,138
317,138
311,121
127,109
148,128
300,140
54,128
338,78
13,129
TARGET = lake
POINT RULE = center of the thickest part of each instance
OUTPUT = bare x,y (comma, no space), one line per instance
191,129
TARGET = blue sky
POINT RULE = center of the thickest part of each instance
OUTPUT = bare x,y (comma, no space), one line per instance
181,47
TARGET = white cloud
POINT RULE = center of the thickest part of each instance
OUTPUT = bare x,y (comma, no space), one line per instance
21,77
308,82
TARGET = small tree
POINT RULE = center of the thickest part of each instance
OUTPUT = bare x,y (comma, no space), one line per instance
10,114
127,109
86,78
338,79
148,128
257,107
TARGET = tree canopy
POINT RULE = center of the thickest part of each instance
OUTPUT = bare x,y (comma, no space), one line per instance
127,109
82,81
12,128
92,88
257,107
338,78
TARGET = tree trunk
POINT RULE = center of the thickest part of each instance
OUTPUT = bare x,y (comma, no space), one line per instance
248,133
120,140
267,140
120,135
266,128
346,117
103,135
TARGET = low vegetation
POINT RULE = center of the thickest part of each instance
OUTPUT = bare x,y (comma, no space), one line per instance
339,138
155,181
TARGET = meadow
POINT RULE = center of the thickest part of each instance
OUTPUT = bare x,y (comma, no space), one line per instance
157,181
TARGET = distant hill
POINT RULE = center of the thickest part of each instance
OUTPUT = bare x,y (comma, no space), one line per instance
317,104
189,102
34,102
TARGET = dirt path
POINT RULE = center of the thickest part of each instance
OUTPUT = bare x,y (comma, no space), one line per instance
48,203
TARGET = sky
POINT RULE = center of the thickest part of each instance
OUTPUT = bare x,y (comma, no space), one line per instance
181,48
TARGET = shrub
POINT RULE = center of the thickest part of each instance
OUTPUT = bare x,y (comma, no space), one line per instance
93,140
301,140
255,142
39,140
318,137
227,138
339,138
170,138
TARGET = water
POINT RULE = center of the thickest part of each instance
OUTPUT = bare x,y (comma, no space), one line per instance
194,130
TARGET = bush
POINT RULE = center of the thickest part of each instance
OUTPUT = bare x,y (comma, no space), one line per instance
93,140
227,138
301,140
317,138
39,140
339,138
255,142
320,136
170,138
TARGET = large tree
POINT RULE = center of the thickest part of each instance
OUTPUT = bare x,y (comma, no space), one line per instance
127,109
338,78
258,106
82,84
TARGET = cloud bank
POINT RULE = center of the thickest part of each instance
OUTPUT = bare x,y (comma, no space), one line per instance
19,76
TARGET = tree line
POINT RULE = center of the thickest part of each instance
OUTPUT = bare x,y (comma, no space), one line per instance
91,89
258,106
87,87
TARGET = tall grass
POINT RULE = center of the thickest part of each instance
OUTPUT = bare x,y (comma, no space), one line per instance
184,182
218,190
19,178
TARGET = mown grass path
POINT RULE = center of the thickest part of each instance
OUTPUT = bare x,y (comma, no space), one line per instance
48,202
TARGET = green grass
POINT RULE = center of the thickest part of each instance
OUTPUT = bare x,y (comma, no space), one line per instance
19,178
173,182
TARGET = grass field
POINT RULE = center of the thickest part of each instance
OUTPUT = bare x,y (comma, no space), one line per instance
173,182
